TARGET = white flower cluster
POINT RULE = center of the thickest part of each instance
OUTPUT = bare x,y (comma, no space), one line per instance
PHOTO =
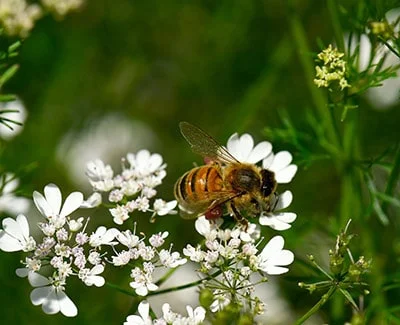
194,317
149,256
133,189
235,252
61,251
18,16
66,249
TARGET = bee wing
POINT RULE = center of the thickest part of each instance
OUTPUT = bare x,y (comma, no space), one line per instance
195,208
204,145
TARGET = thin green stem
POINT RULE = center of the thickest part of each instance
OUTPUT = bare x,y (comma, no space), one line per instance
118,288
166,276
337,28
317,306
318,98
184,286
393,178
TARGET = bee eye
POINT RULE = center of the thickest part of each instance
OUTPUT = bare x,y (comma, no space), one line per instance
268,182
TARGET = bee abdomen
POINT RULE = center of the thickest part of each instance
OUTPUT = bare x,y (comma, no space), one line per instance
196,182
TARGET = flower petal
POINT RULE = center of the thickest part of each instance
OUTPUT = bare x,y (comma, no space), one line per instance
275,270
9,243
285,199
53,197
42,205
273,246
286,175
246,146
281,160
144,309
73,202
12,228
260,151
267,162
40,295
66,305
38,280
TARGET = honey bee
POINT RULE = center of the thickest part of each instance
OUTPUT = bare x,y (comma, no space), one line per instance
244,189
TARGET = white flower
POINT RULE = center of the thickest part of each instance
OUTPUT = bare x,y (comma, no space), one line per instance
100,175
143,282
15,235
50,204
50,294
207,229
280,165
279,220
92,201
143,319
162,208
103,236
8,201
171,260
195,254
157,240
242,148
92,277
144,163
273,257
128,239
196,316
120,214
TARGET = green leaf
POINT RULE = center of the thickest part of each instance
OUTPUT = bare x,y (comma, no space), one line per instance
8,74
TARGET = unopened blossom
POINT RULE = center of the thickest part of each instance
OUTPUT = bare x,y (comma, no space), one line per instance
333,69
158,240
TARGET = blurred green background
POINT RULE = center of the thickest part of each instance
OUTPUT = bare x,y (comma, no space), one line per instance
118,76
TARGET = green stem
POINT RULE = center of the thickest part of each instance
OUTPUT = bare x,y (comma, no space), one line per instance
337,28
166,276
393,178
317,306
184,286
318,98
118,288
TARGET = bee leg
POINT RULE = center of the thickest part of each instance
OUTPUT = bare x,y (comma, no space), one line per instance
276,195
238,217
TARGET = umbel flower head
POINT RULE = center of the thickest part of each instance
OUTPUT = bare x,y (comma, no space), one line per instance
333,69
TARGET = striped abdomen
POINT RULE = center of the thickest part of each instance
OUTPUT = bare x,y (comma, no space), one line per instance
194,184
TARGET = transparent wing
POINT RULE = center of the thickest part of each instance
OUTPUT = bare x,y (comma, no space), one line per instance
204,145
195,208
